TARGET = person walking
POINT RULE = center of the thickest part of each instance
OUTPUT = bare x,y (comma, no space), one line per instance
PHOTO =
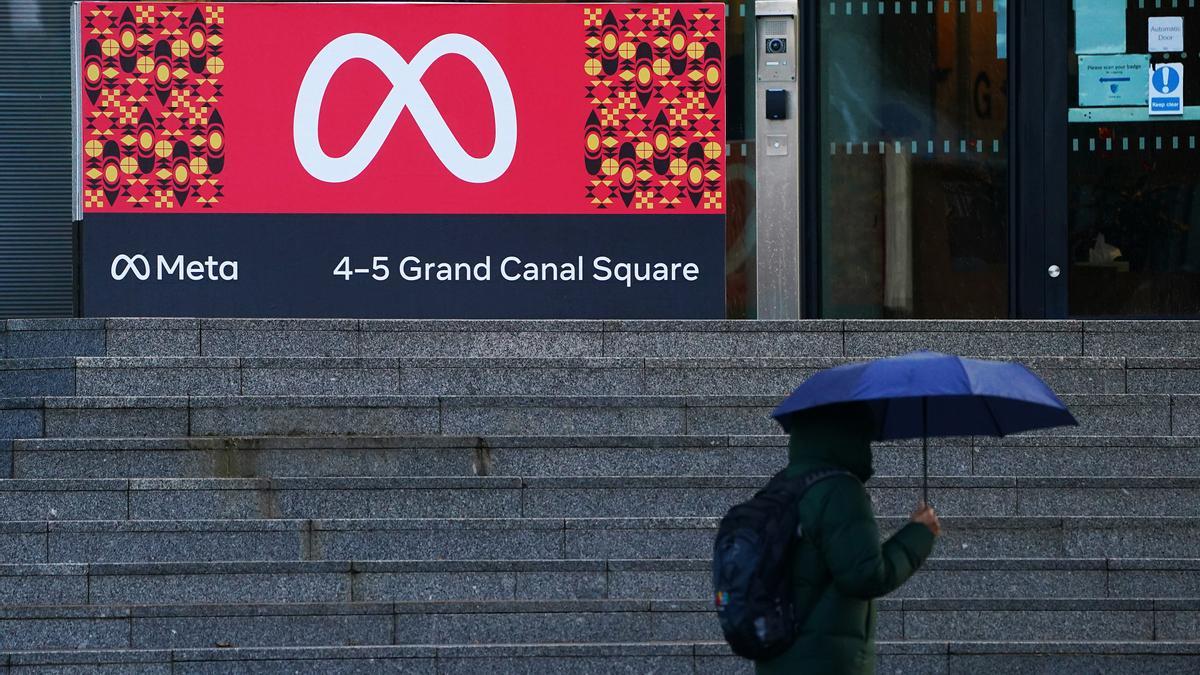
839,565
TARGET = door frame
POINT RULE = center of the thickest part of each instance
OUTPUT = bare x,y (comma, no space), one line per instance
808,27
1037,138
1038,160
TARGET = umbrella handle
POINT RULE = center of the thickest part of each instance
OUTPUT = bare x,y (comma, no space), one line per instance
925,470
925,450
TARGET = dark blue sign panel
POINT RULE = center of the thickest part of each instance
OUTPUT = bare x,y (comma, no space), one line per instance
410,266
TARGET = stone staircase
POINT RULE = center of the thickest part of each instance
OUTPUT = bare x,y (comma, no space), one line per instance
537,496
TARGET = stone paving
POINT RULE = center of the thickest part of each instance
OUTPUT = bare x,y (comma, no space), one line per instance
181,495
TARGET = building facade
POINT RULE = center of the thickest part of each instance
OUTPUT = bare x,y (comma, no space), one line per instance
886,159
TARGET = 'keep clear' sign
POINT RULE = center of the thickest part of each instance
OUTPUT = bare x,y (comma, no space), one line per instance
1166,89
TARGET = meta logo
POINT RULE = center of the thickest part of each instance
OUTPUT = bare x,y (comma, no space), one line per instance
407,93
140,267
123,265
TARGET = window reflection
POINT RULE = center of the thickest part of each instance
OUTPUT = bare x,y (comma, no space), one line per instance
914,195
1133,182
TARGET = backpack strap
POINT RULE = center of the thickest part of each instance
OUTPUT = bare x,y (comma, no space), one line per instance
801,485
813,477
804,483
798,485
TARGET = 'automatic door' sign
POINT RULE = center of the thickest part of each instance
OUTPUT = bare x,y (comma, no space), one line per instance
401,160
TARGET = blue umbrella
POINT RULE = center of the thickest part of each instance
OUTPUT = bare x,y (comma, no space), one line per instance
927,394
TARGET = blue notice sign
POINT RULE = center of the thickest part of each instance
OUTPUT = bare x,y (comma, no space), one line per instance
1113,80
1166,89
1100,26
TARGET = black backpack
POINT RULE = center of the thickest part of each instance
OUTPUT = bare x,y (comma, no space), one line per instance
752,574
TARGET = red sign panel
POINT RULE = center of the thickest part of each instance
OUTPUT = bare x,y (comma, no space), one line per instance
402,108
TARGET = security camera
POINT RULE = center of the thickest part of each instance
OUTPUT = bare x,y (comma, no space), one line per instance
776,45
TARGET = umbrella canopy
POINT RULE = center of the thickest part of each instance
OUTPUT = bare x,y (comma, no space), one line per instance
927,394
930,394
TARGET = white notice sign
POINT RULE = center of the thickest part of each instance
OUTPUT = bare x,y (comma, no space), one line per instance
1166,33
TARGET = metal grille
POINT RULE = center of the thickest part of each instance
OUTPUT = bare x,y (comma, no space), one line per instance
36,252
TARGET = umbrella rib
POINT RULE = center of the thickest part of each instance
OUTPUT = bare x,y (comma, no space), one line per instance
987,405
887,404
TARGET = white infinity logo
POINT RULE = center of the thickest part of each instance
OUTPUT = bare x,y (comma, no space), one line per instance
407,92
137,264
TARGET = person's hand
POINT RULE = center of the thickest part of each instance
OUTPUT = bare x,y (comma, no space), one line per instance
925,515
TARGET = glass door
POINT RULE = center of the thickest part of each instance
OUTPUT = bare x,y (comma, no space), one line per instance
912,156
1129,169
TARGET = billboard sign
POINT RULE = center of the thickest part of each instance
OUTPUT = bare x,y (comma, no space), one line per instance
401,160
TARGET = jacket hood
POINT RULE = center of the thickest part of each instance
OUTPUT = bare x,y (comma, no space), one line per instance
838,435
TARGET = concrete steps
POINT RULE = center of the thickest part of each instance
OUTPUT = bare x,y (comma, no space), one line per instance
37,338
592,376
426,580
558,622
164,416
370,456
1118,657
101,541
540,496
549,538
565,497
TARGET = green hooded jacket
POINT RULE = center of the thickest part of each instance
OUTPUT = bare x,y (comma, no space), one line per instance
840,567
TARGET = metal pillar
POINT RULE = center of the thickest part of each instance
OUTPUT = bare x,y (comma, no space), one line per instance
778,290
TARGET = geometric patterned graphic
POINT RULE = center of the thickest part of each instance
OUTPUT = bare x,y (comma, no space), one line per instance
654,78
152,135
